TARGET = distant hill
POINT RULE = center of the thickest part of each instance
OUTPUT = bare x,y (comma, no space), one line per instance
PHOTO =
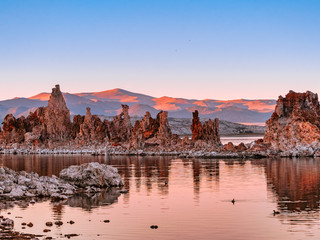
108,103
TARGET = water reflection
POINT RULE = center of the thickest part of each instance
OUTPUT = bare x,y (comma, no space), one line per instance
296,183
88,201
296,187
147,172
45,165
186,197
153,171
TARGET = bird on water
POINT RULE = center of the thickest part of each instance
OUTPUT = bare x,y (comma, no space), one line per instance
275,212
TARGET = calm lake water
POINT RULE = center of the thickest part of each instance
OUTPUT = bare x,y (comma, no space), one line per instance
237,139
194,204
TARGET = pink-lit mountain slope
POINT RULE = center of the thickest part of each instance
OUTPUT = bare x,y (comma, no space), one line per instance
109,102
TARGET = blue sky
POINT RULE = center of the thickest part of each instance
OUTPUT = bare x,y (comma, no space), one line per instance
219,49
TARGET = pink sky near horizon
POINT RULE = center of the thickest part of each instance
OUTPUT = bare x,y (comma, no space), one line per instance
10,91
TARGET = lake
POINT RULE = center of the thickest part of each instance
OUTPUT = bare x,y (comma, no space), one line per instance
186,198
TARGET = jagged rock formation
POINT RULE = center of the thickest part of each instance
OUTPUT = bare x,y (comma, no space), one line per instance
196,127
76,123
120,128
36,134
57,116
230,147
13,129
209,131
50,127
164,131
91,129
151,131
137,138
294,127
149,126
45,126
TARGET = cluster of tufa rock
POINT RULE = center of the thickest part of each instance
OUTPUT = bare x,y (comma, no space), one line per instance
292,130
18,185
50,127
294,127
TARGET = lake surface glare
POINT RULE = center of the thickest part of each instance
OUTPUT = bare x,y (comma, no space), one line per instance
186,198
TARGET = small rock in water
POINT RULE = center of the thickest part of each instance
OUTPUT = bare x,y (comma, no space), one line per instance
71,235
30,224
106,221
71,222
46,230
154,226
58,223
49,224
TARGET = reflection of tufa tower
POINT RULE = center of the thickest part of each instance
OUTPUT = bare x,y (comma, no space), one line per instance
204,171
295,182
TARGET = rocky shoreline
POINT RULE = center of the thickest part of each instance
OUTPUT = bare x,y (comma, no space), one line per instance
292,131
28,188
88,177
255,149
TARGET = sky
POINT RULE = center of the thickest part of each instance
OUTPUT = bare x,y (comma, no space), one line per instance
217,49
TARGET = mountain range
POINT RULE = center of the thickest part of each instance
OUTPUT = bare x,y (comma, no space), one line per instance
108,103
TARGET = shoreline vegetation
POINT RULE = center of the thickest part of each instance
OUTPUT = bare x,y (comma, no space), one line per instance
292,131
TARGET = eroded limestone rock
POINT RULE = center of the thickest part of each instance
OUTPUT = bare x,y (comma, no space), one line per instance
18,185
208,132
92,174
152,131
57,117
120,127
14,129
294,127
92,130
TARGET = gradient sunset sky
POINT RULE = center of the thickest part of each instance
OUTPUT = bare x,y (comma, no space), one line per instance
218,49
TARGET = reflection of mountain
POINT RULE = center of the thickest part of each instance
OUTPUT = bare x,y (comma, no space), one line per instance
296,183
108,103
89,201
